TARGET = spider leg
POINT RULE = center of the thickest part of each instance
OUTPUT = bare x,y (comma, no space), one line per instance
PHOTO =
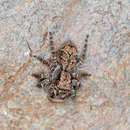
56,73
38,75
43,80
55,100
76,77
39,85
41,59
84,75
83,54
52,48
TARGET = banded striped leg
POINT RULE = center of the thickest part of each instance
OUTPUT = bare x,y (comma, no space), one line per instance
40,77
52,48
42,60
83,75
79,75
83,54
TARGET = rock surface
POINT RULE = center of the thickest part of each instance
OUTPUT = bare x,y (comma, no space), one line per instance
103,101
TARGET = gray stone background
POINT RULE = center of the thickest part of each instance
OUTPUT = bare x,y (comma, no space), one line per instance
103,101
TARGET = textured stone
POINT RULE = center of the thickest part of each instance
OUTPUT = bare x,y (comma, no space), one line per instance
103,101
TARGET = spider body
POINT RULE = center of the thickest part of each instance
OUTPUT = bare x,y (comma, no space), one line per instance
68,56
63,79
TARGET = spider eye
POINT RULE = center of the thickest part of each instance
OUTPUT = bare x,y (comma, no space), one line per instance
74,87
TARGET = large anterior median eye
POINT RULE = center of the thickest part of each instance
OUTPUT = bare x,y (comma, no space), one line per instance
71,46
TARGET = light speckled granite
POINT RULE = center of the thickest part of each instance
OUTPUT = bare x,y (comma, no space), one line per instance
103,102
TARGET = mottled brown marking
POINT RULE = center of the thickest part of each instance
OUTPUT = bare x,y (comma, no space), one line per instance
63,80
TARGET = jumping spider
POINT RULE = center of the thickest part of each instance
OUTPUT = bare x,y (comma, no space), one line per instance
63,78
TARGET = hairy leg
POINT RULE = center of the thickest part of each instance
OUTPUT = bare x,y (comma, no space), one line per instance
83,75
56,73
81,58
52,48
43,81
83,54
40,77
55,100
42,60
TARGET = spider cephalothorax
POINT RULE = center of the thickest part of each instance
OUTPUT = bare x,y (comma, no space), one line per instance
68,56
63,79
